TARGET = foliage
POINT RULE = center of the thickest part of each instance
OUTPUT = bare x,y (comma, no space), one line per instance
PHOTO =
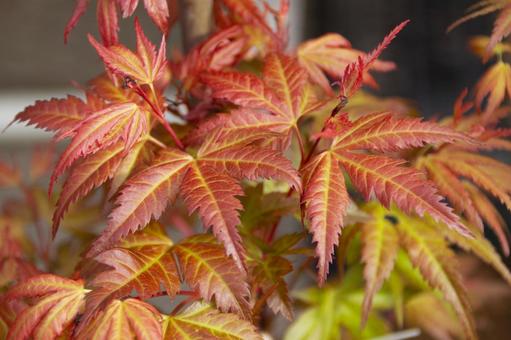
251,142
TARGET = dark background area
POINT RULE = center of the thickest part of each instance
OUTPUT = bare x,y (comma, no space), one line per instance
433,66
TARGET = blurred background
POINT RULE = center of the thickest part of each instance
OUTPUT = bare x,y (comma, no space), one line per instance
433,66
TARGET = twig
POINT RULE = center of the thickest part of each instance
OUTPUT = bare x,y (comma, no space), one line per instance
192,297
132,84
262,300
197,21
156,142
300,142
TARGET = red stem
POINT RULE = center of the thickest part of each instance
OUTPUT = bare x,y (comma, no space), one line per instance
184,303
190,293
156,110
187,292
262,300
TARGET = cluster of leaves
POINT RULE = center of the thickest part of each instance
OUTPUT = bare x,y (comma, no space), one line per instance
257,133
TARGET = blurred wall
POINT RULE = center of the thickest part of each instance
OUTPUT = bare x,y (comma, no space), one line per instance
33,53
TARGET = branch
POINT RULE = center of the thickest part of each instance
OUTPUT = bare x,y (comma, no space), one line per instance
196,20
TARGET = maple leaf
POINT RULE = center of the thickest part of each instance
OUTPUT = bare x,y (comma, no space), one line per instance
126,122
269,274
147,259
158,10
479,246
146,66
353,74
324,53
329,55
206,269
383,132
391,135
220,50
437,264
79,10
108,21
212,195
208,185
282,91
127,319
87,175
244,89
427,250
108,18
59,115
144,195
261,34
494,84
391,182
57,303
326,200
501,27
479,43
333,308
325,197
240,122
278,92
141,262
108,92
255,124
200,321
380,244
432,315
481,170
453,189
490,214
448,166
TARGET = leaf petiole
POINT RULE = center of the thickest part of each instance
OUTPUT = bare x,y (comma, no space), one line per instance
132,84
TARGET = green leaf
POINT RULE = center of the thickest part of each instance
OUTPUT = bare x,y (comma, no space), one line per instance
429,252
